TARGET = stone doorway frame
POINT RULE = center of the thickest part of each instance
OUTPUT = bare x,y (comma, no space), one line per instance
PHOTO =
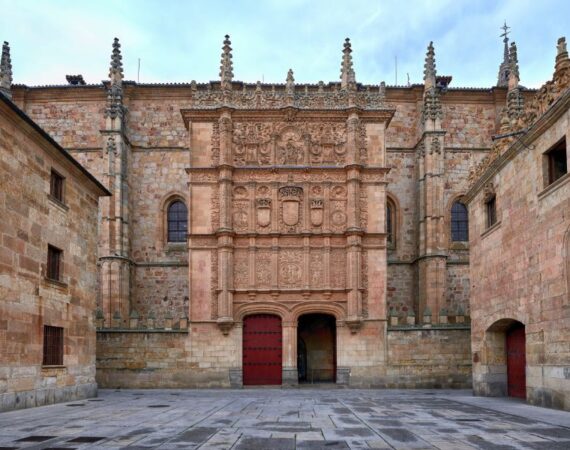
492,380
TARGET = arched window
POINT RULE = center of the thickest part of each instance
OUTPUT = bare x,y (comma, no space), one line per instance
459,222
177,221
390,223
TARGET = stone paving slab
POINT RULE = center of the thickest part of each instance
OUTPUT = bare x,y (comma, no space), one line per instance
276,419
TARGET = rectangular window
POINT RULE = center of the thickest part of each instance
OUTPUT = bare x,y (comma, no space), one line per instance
56,186
54,263
53,346
557,162
491,205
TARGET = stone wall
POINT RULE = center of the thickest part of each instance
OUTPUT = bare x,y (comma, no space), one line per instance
32,219
421,358
518,265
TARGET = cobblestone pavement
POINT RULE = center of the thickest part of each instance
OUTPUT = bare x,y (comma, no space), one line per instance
276,419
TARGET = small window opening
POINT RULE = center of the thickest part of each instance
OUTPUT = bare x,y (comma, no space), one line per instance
56,186
177,222
459,223
557,161
54,262
491,205
53,346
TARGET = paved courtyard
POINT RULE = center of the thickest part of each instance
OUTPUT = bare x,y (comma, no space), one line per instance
277,419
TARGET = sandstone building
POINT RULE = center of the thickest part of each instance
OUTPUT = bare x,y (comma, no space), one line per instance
48,227
519,208
281,233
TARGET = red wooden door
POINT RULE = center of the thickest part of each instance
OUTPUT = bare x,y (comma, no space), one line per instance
262,350
516,362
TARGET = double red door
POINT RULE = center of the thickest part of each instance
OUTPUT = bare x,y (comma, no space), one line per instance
262,350
516,362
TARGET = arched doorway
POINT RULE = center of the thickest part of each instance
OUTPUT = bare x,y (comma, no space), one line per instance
316,348
505,361
262,350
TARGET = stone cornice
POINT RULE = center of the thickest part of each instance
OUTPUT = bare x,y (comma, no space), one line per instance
288,113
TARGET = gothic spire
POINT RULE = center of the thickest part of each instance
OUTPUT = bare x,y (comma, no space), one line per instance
515,99
562,61
115,92
514,67
429,68
432,105
504,68
116,67
6,71
290,83
226,65
347,75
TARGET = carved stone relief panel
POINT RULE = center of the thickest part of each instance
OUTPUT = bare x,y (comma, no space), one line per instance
291,147
290,268
287,143
241,269
214,285
361,144
252,144
327,144
338,268
338,208
240,215
263,269
316,269
364,269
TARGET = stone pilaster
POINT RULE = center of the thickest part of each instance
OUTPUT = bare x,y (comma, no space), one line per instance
115,249
432,254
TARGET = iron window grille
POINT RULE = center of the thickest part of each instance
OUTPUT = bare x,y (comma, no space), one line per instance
53,346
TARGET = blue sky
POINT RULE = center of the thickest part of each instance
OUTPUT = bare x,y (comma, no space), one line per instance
180,41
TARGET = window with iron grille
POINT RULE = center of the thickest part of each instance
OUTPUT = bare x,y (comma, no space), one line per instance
491,205
54,263
53,346
177,222
56,186
557,161
459,223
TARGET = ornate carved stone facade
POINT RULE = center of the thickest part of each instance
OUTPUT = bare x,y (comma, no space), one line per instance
286,187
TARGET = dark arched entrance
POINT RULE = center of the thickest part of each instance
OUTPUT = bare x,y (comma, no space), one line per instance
316,348
262,350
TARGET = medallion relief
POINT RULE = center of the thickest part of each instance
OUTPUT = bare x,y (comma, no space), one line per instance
338,208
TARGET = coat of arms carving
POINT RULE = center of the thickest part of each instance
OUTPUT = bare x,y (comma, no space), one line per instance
317,207
263,211
290,203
